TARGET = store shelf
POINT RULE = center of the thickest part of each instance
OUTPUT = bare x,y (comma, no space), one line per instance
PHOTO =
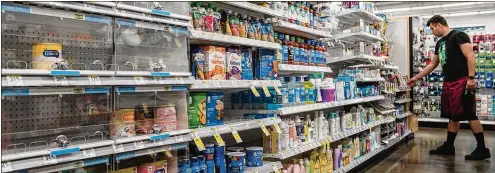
71,165
315,144
356,59
35,72
249,9
267,167
106,10
384,112
403,90
294,29
37,81
350,17
200,37
320,106
352,38
373,66
404,115
367,156
126,148
232,84
301,69
367,79
123,6
402,101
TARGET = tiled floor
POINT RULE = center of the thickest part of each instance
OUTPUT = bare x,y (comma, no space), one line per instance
414,157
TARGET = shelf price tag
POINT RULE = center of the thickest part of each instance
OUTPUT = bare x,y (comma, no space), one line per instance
139,80
158,142
275,168
60,80
118,148
234,84
158,79
217,84
49,160
89,153
94,80
253,89
139,144
15,81
198,141
275,124
235,134
7,166
90,7
276,88
205,84
265,90
166,150
179,138
180,80
263,128
217,137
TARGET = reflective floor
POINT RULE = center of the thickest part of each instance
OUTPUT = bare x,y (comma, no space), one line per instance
413,157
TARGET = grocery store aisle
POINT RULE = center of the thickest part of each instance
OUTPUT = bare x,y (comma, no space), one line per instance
413,157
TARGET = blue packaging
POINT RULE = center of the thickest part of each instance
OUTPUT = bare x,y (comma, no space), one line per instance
258,116
185,166
214,108
236,100
254,156
246,99
198,64
236,162
247,64
195,165
202,164
256,102
209,154
285,50
220,159
266,65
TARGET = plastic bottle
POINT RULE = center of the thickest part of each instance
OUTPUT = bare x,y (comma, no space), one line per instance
217,16
293,90
301,166
285,51
302,52
310,50
307,165
318,125
290,167
331,124
292,133
300,131
302,92
295,48
284,90
307,133
310,16
306,14
290,48
324,127
202,164
309,91
297,167
324,54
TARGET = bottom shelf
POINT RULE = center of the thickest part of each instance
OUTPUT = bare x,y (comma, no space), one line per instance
267,167
364,158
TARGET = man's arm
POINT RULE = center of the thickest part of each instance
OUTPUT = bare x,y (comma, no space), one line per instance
429,68
467,50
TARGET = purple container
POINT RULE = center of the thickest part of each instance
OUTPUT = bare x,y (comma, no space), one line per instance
327,94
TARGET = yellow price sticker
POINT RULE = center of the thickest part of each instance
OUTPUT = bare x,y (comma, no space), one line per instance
166,150
275,168
263,128
277,127
198,141
217,137
277,90
253,89
235,134
265,90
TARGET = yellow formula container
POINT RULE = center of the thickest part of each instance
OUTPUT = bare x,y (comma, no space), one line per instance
45,55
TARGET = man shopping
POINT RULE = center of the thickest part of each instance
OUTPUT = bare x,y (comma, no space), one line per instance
454,52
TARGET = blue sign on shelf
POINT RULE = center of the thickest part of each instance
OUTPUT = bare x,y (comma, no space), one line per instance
179,88
125,155
160,12
96,161
99,19
15,92
125,22
126,89
161,74
64,151
16,8
96,90
160,136
65,73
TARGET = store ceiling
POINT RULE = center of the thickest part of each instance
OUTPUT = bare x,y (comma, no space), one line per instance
405,8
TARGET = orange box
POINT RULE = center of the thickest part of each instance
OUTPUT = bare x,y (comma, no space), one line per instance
215,58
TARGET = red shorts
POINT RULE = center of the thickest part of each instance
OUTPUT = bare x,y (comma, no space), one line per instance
457,105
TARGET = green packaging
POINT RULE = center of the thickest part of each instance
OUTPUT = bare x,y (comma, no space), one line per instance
197,110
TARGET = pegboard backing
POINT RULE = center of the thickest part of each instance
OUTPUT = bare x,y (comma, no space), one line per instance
145,48
28,119
82,41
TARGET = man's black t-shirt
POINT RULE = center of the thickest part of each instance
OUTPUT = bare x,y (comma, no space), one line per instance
453,61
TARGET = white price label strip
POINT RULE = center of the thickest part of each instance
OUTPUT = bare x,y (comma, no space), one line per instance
6,166
15,81
158,79
179,138
139,80
117,148
94,80
158,142
205,84
180,80
89,153
60,80
234,84
50,160
139,144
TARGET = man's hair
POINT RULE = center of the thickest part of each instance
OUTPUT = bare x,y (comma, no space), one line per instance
437,19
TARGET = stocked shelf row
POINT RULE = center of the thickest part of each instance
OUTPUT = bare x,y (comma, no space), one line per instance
367,156
382,67
366,79
301,69
349,16
310,146
126,148
232,84
353,37
356,59
320,106
286,27
201,37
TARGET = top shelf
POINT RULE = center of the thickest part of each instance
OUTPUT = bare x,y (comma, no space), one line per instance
350,17
294,29
249,9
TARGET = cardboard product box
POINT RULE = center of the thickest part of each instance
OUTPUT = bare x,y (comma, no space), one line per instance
166,117
153,167
215,58
234,64
247,64
122,124
198,64
214,108
197,110
266,65
126,170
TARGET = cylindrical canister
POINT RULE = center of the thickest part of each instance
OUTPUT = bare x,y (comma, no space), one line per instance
45,55
254,156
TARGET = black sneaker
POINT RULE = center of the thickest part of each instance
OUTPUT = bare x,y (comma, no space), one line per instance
445,149
479,154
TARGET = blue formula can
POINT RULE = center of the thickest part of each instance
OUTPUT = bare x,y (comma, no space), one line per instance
235,149
254,156
220,159
209,154
236,162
